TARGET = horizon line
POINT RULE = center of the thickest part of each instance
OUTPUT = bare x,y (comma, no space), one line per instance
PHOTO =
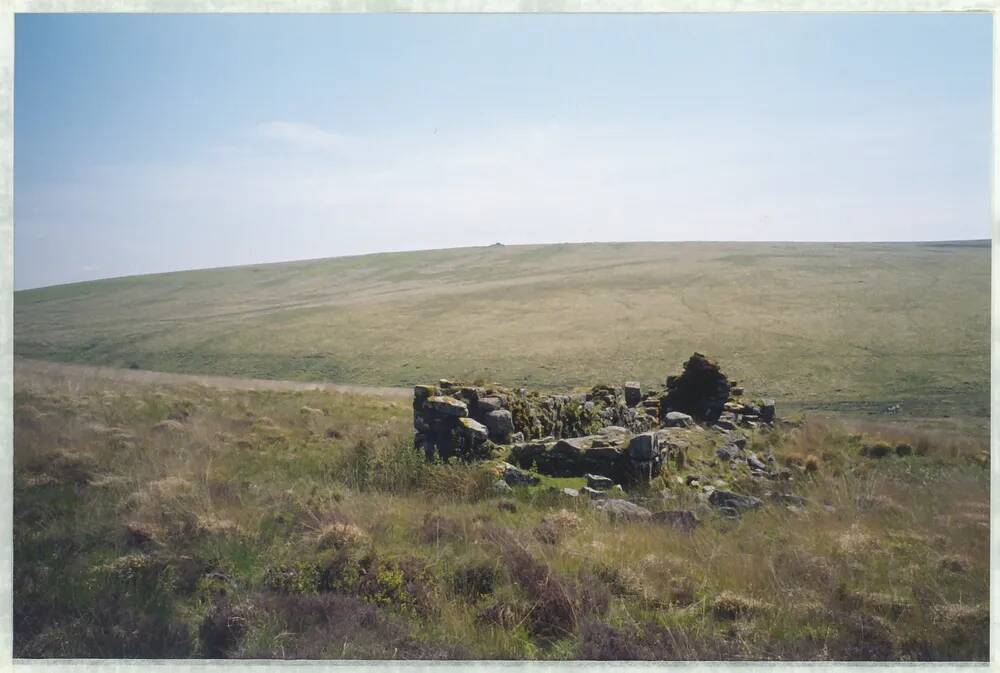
500,244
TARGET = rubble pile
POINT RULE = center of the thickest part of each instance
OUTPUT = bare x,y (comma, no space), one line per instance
617,432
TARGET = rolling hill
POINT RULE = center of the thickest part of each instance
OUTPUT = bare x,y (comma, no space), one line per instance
841,327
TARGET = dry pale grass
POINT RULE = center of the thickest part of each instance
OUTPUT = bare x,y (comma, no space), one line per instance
897,547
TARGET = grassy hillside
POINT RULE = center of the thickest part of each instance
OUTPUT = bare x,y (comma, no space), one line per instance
161,521
835,326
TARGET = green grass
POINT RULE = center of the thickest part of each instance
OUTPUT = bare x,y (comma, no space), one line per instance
848,328
160,521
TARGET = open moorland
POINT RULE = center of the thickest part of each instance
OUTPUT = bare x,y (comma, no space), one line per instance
156,520
234,463
847,328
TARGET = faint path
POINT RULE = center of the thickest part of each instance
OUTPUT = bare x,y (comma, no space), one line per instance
28,367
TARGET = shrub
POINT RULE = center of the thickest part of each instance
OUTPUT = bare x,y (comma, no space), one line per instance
339,535
731,605
222,628
394,466
558,604
876,450
554,527
298,577
474,581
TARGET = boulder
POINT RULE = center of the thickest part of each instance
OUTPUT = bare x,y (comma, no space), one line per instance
767,411
643,470
516,477
572,446
475,430
756,463
501,486
702,390
643,447
727,452
599,482
445,405
623,510
789,499
678,419
500,424
735,501
421,393
485,405
570,492
593,493
681,519
420,422
633,393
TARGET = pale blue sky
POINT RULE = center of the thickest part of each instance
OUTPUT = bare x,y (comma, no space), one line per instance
158,142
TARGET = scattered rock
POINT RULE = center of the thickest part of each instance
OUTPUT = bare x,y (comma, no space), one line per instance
789,499
677,419
623,510
740,503
593,493
599,482
570,492
501,486
727,452
513,476
755,463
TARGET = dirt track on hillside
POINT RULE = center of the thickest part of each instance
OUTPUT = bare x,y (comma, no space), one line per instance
26,368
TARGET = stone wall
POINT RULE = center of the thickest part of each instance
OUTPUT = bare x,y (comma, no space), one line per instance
620,432
456,420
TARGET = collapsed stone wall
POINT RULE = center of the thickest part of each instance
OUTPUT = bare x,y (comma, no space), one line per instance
616,431
455,420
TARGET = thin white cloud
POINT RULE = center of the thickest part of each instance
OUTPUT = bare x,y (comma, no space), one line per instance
265,199
303,136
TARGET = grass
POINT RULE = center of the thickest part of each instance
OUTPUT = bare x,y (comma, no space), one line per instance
159,521
848,328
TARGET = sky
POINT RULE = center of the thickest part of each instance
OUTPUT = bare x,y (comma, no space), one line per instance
150,143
